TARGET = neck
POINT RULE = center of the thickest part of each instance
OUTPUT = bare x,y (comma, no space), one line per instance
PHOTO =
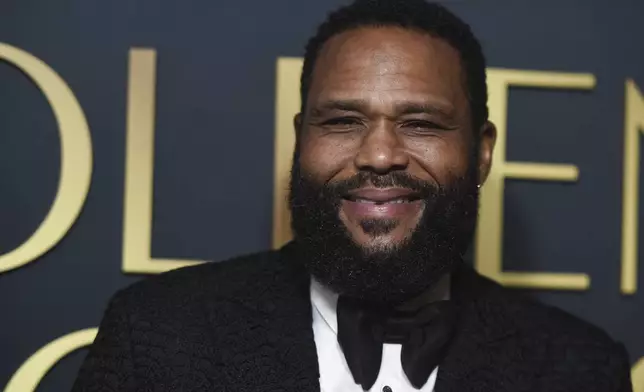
438,292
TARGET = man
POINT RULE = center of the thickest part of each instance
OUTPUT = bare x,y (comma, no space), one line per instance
393,143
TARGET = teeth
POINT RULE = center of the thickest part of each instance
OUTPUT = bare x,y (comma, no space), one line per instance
396,201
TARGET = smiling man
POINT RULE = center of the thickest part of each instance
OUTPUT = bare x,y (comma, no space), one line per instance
393,144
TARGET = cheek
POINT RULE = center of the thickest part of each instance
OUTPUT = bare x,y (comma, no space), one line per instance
441,158
324,158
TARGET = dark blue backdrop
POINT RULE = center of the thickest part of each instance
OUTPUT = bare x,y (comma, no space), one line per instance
214,146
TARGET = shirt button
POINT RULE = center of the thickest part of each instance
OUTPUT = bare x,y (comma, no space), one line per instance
386,388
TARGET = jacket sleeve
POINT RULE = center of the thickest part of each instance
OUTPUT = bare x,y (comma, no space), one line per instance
109,366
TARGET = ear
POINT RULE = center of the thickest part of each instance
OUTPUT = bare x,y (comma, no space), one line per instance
487,138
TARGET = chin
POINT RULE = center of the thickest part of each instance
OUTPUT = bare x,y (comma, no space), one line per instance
384,244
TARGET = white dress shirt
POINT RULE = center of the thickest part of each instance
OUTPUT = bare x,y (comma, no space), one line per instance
335,375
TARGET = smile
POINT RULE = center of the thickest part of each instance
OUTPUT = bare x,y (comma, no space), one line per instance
376,202
382,195
379,203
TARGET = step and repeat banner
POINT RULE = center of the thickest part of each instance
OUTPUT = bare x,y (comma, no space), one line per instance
141,136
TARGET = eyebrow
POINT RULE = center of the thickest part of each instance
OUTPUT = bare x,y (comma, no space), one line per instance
400,107
348,105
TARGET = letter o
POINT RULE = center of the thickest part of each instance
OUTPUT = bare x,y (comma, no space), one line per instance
638,376
29,375
75,165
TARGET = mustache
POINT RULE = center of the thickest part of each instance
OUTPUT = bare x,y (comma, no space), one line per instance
424,189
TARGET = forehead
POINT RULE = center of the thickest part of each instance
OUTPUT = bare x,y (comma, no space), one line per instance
388,63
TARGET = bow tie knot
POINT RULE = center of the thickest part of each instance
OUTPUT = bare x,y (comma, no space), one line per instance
423,334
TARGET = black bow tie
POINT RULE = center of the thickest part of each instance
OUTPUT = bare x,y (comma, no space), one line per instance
424,336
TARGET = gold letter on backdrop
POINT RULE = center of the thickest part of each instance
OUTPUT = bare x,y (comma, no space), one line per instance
287,105
29,375
75,159
489,236
637,375
139,169
633,124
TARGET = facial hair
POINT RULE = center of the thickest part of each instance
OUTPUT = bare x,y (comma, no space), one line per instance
383,274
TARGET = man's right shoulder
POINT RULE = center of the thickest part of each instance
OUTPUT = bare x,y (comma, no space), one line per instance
192,284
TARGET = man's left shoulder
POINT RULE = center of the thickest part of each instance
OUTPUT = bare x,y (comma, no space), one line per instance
546,322
535,346
561,338
512,309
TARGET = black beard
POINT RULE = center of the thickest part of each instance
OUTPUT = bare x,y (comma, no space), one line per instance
386,275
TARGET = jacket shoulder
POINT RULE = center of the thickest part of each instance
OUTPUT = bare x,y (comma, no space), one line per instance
566,351
570,347
190,285
542,321
552,323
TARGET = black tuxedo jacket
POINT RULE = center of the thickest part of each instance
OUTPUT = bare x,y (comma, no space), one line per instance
245,325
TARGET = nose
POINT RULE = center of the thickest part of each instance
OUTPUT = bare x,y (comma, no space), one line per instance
381,150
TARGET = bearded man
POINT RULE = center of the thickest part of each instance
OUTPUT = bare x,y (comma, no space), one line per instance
393,144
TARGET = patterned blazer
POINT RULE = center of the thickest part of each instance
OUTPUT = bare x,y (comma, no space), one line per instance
245,325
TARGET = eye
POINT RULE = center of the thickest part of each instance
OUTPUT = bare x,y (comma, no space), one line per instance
420,125
342,122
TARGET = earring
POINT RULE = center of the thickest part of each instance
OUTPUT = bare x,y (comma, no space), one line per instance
478,186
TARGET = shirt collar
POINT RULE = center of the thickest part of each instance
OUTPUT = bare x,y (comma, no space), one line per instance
326,303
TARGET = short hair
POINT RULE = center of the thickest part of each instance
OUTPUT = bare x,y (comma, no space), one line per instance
417,15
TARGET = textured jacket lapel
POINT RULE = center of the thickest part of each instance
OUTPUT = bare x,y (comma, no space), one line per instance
274,348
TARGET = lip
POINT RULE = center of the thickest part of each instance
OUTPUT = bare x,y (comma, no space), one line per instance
381,195
381,203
